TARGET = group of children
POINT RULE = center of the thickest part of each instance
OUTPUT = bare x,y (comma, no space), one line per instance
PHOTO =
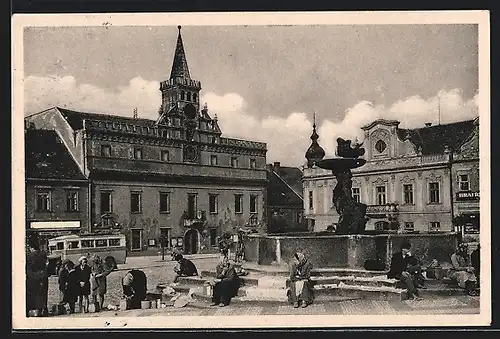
78,283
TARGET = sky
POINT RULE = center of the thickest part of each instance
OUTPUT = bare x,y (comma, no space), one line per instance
264,82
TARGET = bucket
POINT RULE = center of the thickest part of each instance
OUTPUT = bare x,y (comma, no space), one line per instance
145,304
208,290
153,304
124,305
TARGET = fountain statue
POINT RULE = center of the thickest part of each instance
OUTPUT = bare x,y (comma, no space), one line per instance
352,213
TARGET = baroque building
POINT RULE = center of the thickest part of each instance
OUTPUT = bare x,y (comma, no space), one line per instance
174,181
408,181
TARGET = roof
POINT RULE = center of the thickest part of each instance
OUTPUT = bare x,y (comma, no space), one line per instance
433,139
285,187
179,66
75,118
46,157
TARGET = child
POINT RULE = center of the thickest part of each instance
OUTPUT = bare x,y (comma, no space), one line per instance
70,286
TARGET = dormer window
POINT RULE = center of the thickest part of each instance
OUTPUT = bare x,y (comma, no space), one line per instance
182,95
194,97
188,96
380,146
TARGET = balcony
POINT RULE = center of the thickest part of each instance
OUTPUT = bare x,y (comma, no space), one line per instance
191,218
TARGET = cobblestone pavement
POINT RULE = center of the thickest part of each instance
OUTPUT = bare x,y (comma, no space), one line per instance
156,271
442,305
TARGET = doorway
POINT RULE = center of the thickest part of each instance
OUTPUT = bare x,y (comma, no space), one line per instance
191,245
136,243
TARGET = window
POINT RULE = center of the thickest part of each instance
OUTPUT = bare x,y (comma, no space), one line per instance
43,200
106,202
188,96
72,201
252,163
195,97
253,204
165,156
165,237
74,244
381,197
213,237
299,217
135,202
238,203
87,243
311,206
434,192
164,203
409,226
463,182
101,243
408,194
137,153
182,95
212,203
192,206
114,242
435,226
356,194
380,146
213,160
60,245
234,162
105,150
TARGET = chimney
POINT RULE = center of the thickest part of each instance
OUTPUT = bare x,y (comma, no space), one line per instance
276,166
428,124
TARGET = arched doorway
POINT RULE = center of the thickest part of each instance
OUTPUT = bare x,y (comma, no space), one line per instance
191,242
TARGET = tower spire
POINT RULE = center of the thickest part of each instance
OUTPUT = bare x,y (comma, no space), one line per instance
179,66
315,152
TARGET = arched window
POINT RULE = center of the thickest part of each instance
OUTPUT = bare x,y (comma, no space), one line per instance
380,146
182,95
188,96
195,97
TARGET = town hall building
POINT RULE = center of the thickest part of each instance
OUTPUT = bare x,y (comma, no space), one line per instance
174,180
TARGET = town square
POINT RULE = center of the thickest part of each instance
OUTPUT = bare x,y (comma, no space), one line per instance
246,170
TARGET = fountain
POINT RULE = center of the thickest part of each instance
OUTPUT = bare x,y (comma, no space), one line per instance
352,214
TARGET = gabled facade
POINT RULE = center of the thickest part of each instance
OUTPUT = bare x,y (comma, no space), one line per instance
57,192
284,199
173,178
406,181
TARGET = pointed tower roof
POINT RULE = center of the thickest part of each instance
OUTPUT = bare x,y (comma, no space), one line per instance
315,152
179,66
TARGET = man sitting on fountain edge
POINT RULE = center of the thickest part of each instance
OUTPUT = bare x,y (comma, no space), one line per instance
405,268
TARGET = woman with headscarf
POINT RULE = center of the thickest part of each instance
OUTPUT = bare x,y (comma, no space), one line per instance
98,281
37,277
227,282
83,273
462,272
300,290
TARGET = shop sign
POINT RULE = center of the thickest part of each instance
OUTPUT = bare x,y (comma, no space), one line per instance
469,195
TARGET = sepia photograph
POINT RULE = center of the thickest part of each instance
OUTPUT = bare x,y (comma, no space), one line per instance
251,170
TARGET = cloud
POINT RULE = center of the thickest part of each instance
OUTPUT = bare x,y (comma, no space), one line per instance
44,92
287,136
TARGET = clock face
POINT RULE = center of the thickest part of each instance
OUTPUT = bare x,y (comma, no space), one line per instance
190,153
190,111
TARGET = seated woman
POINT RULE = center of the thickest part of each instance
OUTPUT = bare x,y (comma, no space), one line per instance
184,268
227,282
134,285
301,289
461,272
